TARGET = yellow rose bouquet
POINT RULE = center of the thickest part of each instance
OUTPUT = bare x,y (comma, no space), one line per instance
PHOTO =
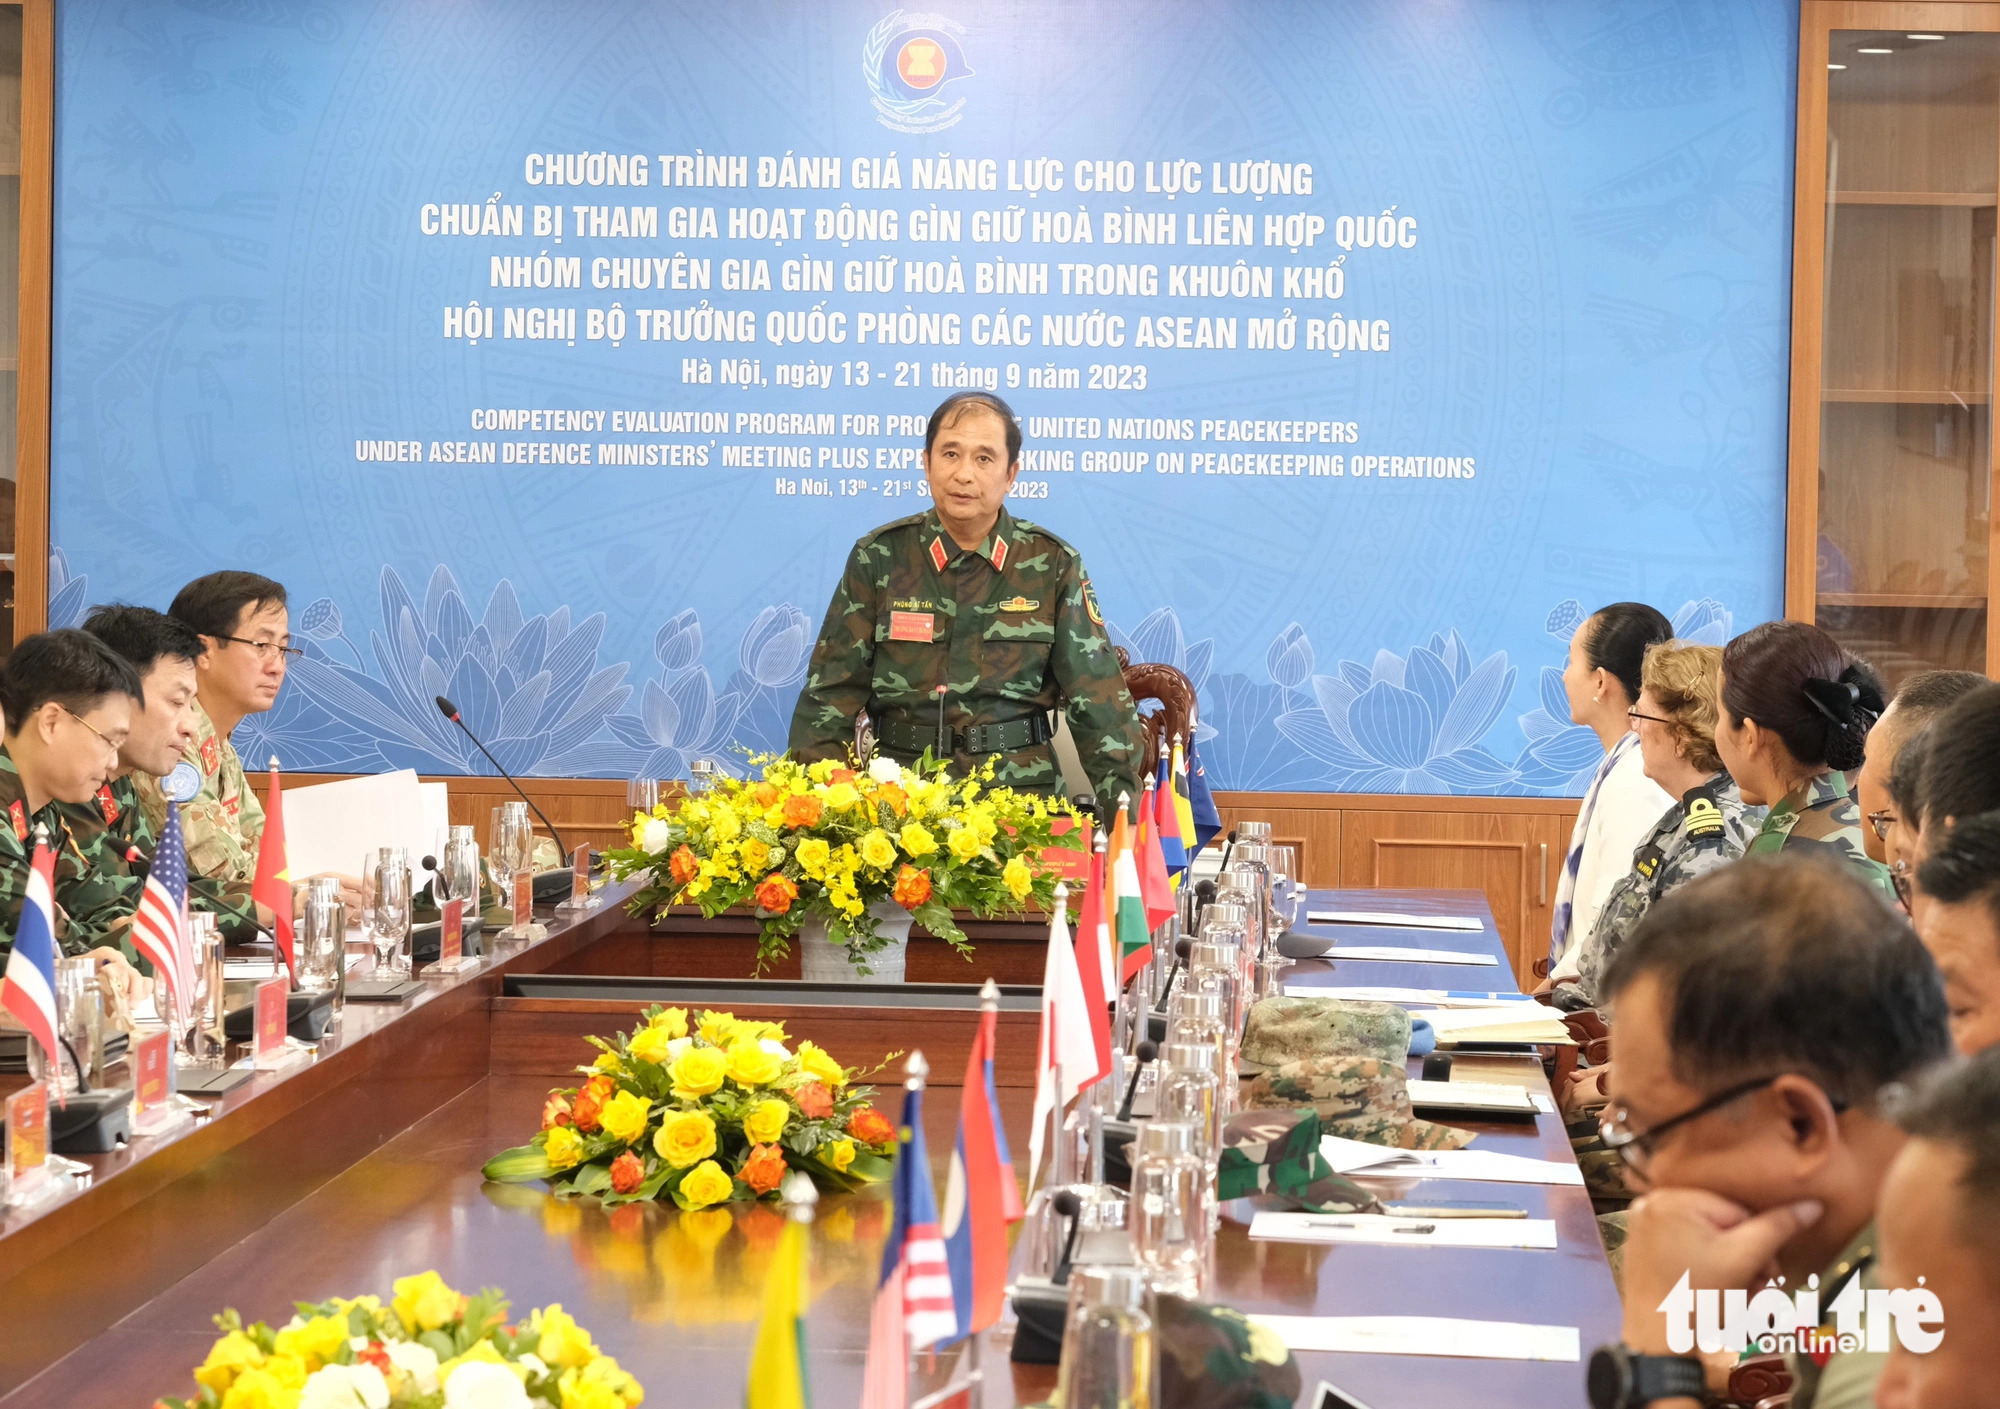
823,842
430,1346
702,1109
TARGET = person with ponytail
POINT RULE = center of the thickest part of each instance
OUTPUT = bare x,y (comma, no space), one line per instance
1796,711
1621,804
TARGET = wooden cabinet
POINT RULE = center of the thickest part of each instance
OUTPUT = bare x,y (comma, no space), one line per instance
1890,522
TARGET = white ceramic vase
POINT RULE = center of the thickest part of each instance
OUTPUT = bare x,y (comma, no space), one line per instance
823,961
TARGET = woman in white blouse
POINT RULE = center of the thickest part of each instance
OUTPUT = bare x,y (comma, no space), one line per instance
1622,803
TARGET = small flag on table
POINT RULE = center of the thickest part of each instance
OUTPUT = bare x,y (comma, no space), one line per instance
1093,957
913,1303
1066,1037
1167,820
1202,814
1128,905
273,884
159,928
1154,891
29,992
981,1199
778,1359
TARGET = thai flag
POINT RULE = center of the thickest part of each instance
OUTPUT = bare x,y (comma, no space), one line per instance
913,1302
159,929
981,1199
30,990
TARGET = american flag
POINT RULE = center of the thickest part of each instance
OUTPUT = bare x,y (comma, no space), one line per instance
29,992
913,1301
159,929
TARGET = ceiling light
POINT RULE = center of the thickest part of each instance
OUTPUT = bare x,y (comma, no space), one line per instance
1874,51
1923,36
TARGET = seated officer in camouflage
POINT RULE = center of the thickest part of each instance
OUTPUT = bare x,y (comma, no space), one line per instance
68,701
112,826
960,629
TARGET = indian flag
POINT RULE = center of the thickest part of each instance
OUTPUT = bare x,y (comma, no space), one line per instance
1135,940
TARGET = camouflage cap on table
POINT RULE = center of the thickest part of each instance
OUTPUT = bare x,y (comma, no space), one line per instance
1361,1098
1213,1357
1277,1152
1281,1030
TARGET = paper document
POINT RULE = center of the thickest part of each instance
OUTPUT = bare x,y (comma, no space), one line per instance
1496,1096
1394,920
1403,1231
1395,955
1409,997
329,825
1359,1158
1425,1335
1526,1022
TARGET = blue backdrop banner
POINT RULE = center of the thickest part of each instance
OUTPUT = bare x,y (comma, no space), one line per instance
554,355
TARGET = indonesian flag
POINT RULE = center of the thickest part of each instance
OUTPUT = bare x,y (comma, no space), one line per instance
913,1301
981,1199
1066,1038
1093,958
273,884
29,992
1128,905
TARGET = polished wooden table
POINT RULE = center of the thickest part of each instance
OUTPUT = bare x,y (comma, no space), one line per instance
373,1173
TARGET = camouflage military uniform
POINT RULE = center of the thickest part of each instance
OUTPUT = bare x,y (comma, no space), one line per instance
224,821
17,850
1214,1357
1361,1098
1847,1378
1281,1030
1276,1153
104,831
1821,816
1011,629
1704,831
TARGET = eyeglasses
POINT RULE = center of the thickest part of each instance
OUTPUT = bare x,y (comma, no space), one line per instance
1650,718
264,648
1899,881
1882,821
1637,1147
101,737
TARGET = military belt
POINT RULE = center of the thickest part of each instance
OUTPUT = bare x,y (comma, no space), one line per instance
975,739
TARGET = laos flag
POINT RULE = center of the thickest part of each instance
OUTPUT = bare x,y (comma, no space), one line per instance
982,1198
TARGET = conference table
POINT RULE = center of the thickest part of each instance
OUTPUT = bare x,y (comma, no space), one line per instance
338,1176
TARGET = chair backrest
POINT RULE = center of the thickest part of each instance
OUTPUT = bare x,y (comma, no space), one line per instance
1176,716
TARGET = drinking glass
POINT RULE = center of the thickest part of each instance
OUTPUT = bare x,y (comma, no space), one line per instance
510,844
323,948
1168,1218
1288,892
458,870
642,794
389,927
371,864
1107,1351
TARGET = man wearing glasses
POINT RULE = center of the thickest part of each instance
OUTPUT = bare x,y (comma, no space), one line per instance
246,636
69,701
1765,1013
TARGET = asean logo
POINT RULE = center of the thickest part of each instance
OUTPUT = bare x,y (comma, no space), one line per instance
908,60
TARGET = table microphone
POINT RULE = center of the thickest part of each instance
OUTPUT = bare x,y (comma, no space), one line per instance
450,711
1182,948
1066,1203
141,867
1145,1052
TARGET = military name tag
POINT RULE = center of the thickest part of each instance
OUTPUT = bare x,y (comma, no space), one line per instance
910,626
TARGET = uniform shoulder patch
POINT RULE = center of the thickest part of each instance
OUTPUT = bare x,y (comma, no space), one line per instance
1646,861
1704,818
1090,603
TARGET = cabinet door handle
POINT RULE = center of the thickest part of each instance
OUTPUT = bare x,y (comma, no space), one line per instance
1545,874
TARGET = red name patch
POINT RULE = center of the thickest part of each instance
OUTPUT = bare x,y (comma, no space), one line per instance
911,626
107,804
211,756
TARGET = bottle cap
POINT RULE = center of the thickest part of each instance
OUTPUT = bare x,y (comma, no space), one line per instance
1165,1137
1191,1056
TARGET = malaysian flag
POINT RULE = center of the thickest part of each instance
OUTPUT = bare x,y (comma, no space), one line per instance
29,992
159,929
913,1301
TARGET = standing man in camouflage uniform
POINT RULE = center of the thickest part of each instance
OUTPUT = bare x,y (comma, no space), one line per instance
68,701
959,630
112,826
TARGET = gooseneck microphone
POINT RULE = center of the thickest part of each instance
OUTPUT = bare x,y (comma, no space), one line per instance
450,711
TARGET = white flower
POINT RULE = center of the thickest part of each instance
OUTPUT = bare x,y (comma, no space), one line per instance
419,1362
480,1384
678,1046
885,770
533,1364
775,1047
657,835
345,1387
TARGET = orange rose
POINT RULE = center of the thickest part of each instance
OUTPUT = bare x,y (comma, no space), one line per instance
842,775
765,1169
802,810
913,887
767,794
683,865
602,1086
814,1100
589,1105
775,894
870,1126
627,1173
898,800
555,1110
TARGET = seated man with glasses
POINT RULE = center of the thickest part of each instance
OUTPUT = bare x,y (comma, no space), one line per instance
1763,1013
246,636
1959,920
1919,699
69,702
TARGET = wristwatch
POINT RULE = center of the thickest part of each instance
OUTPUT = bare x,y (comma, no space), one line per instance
1621,1378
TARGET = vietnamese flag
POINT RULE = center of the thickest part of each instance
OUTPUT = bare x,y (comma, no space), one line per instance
1093,958
1154,891
1135,940
273,883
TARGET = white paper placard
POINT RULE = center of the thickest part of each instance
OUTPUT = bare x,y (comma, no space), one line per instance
1400,1230
329,825
1407,997
1363,1160
1425,1335
1396,955
1394,920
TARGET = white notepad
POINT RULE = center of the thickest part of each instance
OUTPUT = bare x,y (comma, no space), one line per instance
1425,1335
1379,1161
1396,955
1408,997
1394,919
1402,1231
1476,1096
